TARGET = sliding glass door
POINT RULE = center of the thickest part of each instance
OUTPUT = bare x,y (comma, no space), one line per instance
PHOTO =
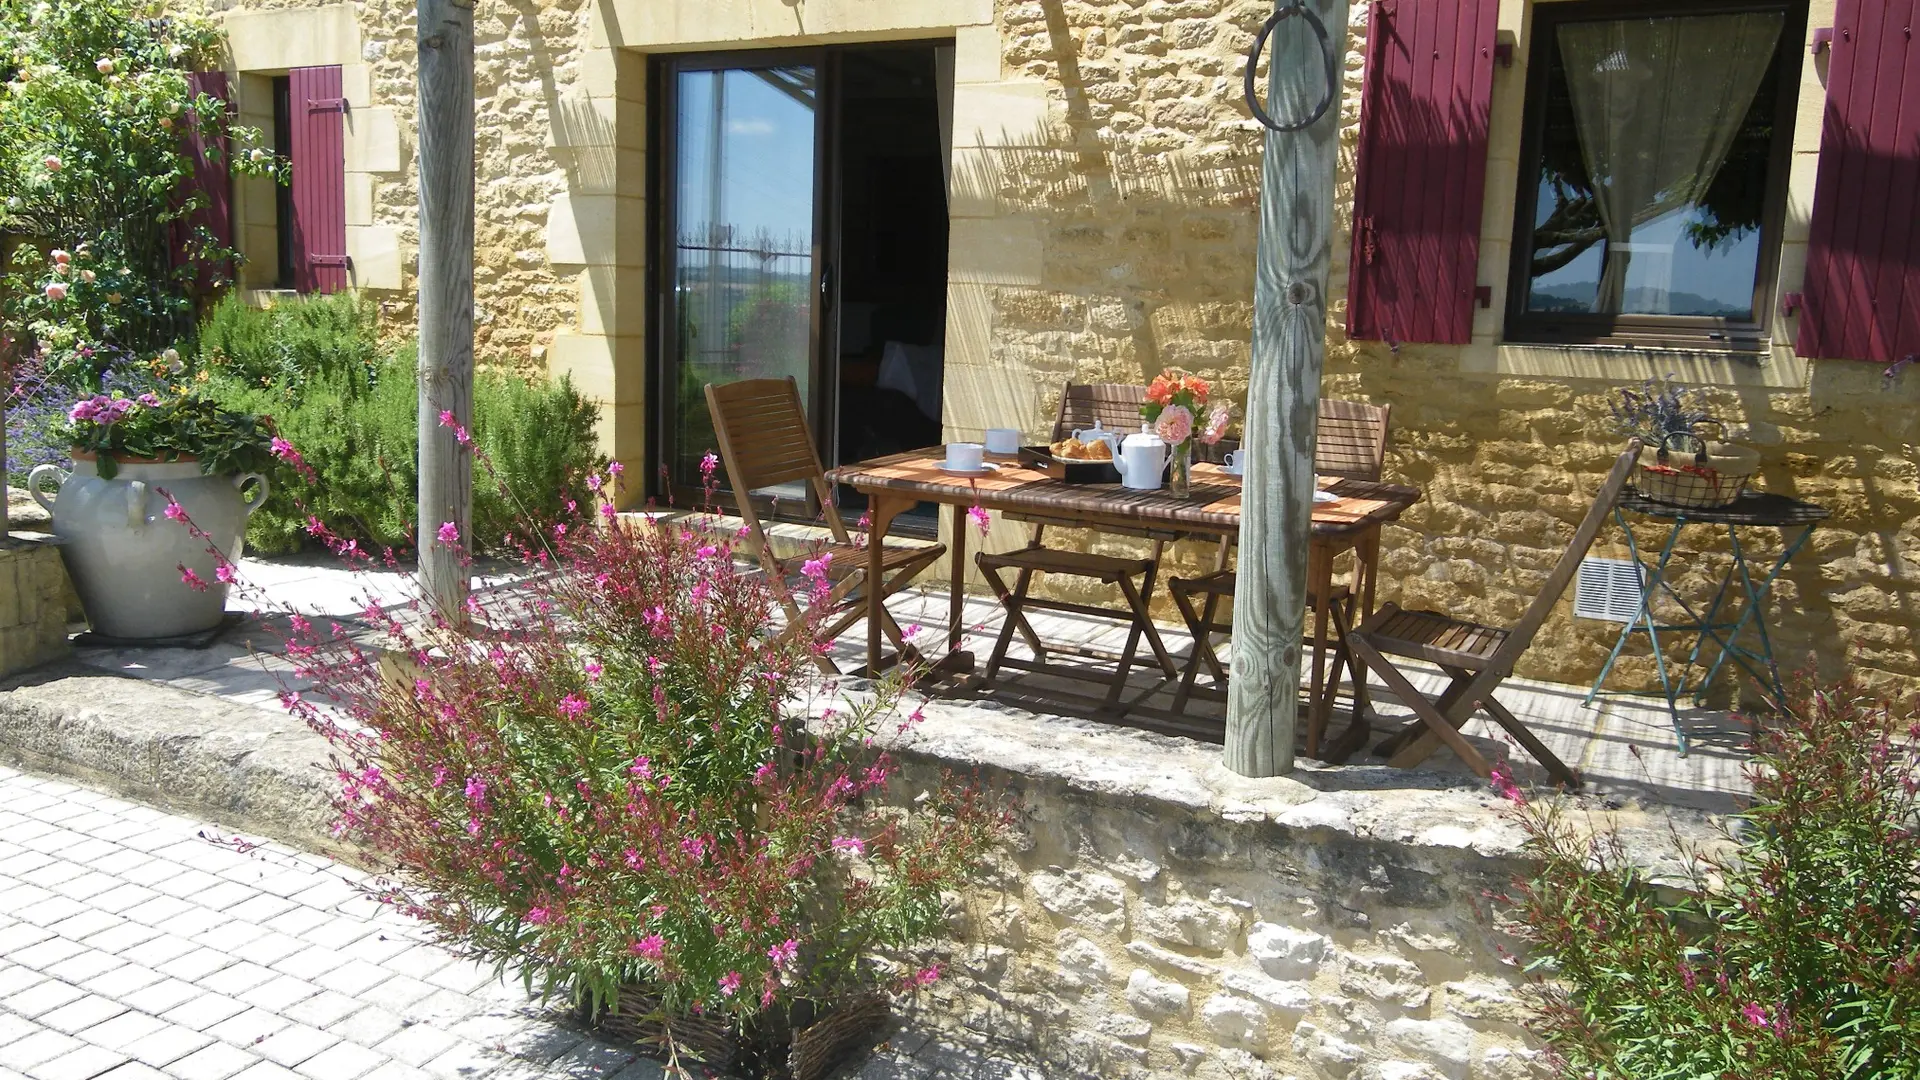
740,240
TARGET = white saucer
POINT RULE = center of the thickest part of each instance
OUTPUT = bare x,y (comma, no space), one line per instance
985,467
1325,497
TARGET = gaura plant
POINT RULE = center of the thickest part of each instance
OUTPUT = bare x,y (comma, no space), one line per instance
604,779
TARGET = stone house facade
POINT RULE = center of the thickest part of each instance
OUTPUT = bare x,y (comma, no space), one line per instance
1102,174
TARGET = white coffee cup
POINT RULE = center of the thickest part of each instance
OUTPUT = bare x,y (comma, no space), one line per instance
1003,440
1237,462
965,456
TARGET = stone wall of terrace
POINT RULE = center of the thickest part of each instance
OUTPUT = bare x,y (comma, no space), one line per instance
1154,915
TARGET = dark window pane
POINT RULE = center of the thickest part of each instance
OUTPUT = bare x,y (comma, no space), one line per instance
1652,182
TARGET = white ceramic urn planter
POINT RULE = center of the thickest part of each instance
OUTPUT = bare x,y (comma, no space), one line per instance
124,554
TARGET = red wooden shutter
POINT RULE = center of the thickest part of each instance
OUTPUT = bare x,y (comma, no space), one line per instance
212,179
1862,292
318,122
1422,170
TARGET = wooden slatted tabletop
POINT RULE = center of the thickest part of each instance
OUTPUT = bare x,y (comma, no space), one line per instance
1212,508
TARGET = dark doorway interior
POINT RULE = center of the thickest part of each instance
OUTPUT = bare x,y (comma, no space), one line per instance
892,215
802,232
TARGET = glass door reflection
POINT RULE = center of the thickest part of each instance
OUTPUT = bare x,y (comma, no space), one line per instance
742,240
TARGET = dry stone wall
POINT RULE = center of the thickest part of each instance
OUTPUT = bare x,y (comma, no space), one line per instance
34,595
1153,916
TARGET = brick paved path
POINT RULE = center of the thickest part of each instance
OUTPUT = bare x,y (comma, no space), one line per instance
133,948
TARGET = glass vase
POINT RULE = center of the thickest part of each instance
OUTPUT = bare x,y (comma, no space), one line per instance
1180,480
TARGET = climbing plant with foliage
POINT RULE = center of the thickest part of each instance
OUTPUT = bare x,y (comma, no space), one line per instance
96,166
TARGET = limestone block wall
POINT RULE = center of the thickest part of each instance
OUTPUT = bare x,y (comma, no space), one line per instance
1106,226
33,605
1152,915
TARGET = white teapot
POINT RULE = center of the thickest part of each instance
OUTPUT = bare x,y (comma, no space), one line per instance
1142,461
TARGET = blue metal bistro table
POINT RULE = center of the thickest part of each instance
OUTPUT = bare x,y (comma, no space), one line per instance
1739,604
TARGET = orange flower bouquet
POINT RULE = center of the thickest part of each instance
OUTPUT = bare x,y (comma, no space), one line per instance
1175,400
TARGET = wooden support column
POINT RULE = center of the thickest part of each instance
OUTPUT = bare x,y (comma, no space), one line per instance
1283,398
446,294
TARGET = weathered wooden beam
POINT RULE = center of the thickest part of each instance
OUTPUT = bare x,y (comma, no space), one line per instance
1283,397
446,294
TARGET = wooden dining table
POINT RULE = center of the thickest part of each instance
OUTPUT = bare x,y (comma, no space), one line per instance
1210,511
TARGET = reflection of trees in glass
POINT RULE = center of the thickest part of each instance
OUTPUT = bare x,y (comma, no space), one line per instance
768,327
1567,219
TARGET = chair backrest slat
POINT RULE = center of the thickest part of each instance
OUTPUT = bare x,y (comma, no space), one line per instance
1556,584
765,442
1352,440
762,422
1116,406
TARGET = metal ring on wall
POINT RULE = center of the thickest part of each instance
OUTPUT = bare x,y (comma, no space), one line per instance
1319,27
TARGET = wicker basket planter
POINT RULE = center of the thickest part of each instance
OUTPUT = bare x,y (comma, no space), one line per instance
1699,475
807,1044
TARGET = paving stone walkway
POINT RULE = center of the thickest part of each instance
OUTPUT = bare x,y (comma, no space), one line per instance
138,945
135,944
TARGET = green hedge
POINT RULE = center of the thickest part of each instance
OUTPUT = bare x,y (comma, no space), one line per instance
351,409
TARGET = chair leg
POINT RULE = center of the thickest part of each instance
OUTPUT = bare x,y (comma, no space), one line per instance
1208,620
796,619
1007,604
1441,724
1554,766
1445,703
1118,686
1202,646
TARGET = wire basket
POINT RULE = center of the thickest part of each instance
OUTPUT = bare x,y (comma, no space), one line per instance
807,1044
1707,476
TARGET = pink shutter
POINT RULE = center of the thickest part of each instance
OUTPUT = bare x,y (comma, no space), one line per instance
318,120
1862,292
211,179
1422,170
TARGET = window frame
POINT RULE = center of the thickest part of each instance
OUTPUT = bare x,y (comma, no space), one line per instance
1652,331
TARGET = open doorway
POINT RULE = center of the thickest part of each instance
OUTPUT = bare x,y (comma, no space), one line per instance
892,157
801,230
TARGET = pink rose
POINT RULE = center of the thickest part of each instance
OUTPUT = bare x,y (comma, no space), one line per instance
103,65
1217,424
58,255
1175,425
51,162
57,290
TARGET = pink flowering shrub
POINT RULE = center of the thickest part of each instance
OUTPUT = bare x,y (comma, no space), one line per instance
1795,955
607,785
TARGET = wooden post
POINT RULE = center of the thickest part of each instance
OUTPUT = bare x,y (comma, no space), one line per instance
1283,397
446,294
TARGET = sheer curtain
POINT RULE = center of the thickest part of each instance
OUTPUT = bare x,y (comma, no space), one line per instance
1657,103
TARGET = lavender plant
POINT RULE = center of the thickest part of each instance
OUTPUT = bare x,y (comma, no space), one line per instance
1658,409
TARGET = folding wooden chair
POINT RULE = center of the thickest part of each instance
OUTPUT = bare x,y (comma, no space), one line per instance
1116,407
765,441
1476,658
1351,442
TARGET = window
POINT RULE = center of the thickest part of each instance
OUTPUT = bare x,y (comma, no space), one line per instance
1653,172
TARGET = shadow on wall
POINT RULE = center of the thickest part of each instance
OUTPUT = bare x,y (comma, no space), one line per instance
584,146
1145,254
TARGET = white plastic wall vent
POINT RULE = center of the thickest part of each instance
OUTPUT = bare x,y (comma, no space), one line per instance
1608,589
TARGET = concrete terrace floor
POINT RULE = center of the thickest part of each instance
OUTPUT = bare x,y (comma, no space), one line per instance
1624,746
